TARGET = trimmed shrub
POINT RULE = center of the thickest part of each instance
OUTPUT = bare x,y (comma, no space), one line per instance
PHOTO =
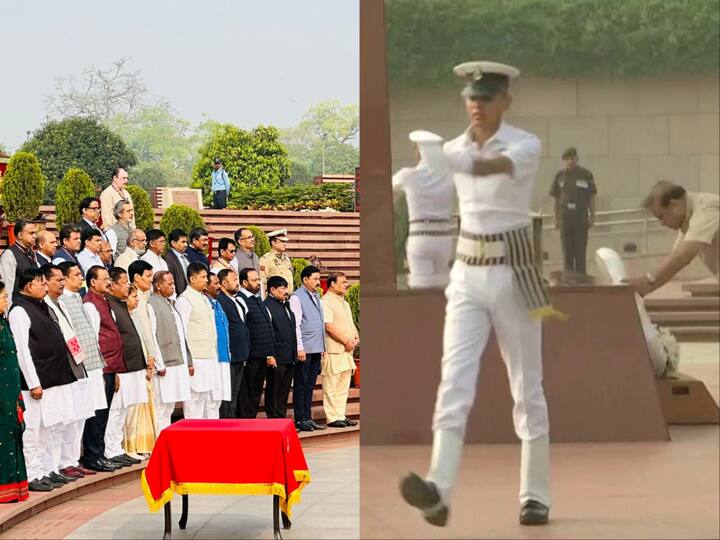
23,187
262,243
298,264
180,216
73,188
353,298
144,215
340,197
402,229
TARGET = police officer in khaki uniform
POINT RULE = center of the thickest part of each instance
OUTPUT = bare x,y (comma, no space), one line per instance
275,262
574,192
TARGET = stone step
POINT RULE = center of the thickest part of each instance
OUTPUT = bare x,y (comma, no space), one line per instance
686,318
696,334
690,303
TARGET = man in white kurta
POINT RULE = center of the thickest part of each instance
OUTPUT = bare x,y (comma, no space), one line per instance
93,362
47,409
429,193
172,382
495,166
199,322
68,444
156,246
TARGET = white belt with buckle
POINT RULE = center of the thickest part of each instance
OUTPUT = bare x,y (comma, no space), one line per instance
480,249
571,206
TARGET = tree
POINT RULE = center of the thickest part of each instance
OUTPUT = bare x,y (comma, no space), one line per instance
324,138
251,158
73,188
299,173
164,144
180,216
84,143
22,187
151,175
144,214
98,93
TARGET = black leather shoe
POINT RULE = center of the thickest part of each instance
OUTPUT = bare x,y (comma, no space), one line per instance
39,485
534,513
119,461
337,424
58,478
131,459
110,464
425,496
315,425
350,423
305,426
53,485
99,465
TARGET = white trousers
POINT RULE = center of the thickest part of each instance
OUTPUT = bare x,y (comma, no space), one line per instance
480,299
201,405
41,449
428,260
115,430
163,412
71,444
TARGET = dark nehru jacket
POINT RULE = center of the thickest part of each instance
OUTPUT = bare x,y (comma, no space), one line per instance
46,344
283,322
239,335
132,345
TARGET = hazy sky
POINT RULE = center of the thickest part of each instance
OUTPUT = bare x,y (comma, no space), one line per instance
242,61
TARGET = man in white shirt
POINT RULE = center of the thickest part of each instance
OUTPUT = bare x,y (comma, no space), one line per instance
136,245
112,194
90,255
198,320
46,380
429,193
156,246
173,361
226,255
495,166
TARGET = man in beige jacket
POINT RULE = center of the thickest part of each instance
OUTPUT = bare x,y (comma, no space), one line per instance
341,339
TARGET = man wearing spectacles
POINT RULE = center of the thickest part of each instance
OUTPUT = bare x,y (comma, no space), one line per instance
90,214
226,255
245,256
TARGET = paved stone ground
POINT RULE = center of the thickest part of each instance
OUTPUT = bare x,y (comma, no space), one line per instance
606,490
329,509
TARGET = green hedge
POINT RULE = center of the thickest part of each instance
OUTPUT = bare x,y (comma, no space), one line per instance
23,187
73,188
144,215
426,38
180,216
298,197
262,242
353,298
298,265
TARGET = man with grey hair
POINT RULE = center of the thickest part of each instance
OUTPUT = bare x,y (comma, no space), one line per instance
696,217
136,245
106,254
46,247
118,234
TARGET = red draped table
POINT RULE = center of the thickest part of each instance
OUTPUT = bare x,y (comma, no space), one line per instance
227,457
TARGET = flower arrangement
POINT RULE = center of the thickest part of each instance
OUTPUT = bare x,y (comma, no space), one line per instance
672,350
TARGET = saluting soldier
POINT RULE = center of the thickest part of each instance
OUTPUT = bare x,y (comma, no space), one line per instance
275,262
494,285
429,193
574,192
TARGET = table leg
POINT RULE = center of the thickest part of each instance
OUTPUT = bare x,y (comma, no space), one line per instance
184,516
285,521
168,521
276,518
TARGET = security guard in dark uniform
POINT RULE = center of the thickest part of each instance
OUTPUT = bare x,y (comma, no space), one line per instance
574,192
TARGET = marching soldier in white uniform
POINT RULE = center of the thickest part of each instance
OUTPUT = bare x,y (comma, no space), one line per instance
429,193
494,285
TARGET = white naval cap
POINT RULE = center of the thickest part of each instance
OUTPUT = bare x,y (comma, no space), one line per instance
484,78
421,136
280,234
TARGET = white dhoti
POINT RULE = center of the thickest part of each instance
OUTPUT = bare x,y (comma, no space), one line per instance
482,298
45,419
84,408
97,389
429,255
205,390
174,386
336,371
133,390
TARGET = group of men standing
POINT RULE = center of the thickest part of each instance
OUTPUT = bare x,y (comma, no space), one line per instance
100,335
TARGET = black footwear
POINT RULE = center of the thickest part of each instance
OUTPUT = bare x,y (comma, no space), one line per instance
119,461
534,513
108,463
99,465
337,424
425,496
305,426
39,485
315,425
53,485
58,478
131,459
65,476
350,423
